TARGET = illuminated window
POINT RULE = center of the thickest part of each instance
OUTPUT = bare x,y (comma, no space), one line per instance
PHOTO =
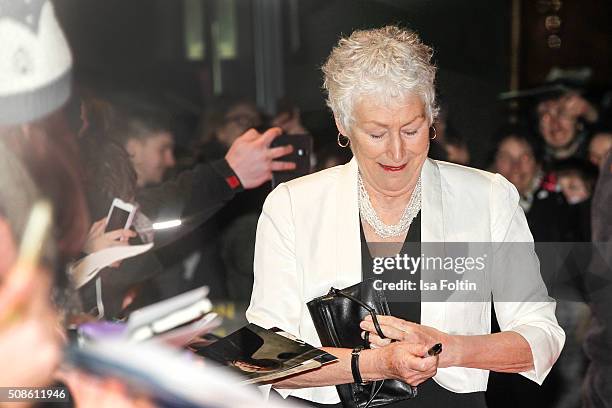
194,29
226,29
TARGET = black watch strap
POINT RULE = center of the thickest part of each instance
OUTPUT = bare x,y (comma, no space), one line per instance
355,365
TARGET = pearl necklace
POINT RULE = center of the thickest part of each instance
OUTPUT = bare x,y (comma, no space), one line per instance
380,228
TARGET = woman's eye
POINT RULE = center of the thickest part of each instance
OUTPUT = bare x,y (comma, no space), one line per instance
376,136
410,133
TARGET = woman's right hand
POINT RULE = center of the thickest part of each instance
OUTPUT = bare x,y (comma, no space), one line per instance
97,239
405,362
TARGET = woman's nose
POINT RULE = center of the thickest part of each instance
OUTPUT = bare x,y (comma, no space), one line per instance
396,149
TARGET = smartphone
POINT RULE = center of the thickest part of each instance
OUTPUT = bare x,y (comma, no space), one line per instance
302,150
120,215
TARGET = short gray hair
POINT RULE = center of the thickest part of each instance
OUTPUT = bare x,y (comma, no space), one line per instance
387,62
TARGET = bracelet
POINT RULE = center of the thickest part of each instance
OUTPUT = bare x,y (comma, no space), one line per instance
355,366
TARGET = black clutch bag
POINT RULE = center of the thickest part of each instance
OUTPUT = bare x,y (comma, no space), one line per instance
336,317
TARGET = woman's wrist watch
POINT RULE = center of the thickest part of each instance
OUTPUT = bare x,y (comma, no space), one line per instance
355,366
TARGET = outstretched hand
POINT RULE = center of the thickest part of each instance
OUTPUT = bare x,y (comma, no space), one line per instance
253,160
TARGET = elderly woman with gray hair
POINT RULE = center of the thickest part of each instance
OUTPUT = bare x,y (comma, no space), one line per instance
314,232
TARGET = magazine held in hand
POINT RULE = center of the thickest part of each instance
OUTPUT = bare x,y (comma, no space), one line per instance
262,355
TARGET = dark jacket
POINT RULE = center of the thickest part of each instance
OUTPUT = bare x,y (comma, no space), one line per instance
193,196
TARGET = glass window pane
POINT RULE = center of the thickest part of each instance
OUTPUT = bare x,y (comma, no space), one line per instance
227,26
194,29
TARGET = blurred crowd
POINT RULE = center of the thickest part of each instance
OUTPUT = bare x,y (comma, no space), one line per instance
553,156
102,145
129,149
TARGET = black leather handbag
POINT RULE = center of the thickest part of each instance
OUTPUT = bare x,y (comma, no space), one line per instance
336,317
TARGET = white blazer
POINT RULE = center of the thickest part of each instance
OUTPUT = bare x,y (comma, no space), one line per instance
308,240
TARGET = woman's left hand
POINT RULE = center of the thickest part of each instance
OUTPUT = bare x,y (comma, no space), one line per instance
402,330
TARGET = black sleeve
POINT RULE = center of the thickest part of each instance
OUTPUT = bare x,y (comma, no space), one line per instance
193,196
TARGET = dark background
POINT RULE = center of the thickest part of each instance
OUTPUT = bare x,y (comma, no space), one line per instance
140,45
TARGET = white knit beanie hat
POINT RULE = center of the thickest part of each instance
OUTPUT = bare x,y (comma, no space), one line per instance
35,61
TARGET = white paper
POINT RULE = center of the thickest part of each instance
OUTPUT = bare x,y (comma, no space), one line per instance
184,335
87,268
